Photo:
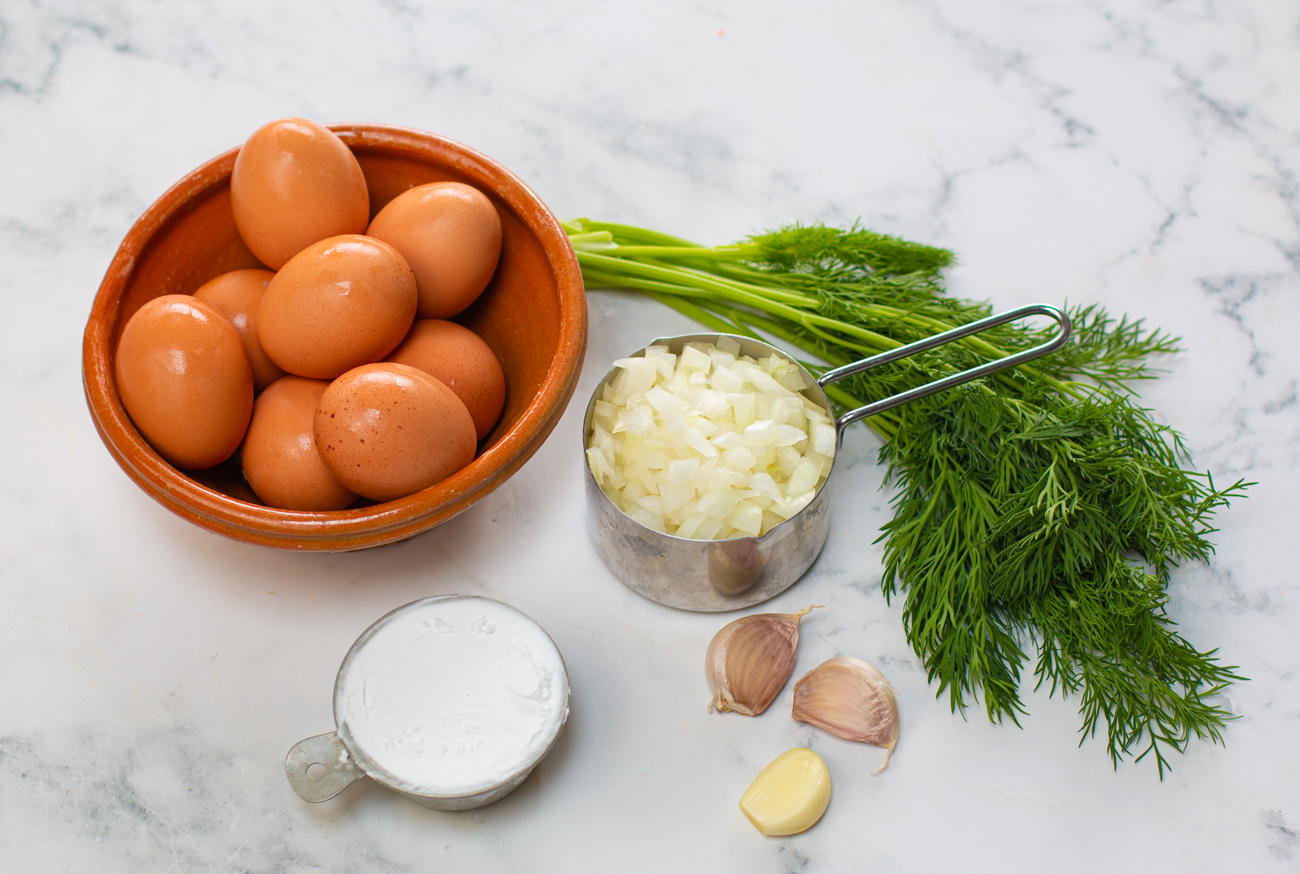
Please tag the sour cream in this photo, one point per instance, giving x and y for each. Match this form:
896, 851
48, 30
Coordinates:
451, 696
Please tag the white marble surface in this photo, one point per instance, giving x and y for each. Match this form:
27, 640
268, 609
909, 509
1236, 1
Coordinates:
1141, 154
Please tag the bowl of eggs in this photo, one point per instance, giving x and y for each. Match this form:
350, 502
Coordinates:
334, 337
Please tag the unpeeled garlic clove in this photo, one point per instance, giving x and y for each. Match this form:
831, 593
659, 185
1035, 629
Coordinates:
851, 699
749, 661
789, 795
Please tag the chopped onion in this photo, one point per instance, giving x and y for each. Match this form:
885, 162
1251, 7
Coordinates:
709, 444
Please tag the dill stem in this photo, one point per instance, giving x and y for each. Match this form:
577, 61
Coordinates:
645, 276
787, 303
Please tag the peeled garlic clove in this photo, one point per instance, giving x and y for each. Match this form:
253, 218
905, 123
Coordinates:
789, 795
749, 661
851, 699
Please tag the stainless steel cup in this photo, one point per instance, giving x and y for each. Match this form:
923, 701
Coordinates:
717, 575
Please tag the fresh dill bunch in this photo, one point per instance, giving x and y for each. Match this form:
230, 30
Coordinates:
1041, 507
1032, 538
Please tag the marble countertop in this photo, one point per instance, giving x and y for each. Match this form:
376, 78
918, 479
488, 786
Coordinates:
1144, 155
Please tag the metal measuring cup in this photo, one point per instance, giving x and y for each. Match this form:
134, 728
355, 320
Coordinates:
716, 575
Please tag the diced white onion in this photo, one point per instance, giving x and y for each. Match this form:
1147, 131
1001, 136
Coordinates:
637, 420
823, 439
664, 402
728, 440
805, 475
680, 470
742, 408
739, 458
674, 496
648, 519
655, 459
691, 525
722, 359
663, 360
718, 503
700, 443
725, 379
765, 486
694, 358
788, 435
709, 444
747, 517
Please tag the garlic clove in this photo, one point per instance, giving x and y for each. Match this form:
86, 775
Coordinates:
749, 661
789, 795
851, 699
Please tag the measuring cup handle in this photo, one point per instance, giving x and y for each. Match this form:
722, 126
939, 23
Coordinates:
1038, 309
320, 767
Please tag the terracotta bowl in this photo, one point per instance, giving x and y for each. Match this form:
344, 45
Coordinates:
533, 315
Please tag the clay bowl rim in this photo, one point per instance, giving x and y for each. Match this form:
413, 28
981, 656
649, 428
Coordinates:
382, 523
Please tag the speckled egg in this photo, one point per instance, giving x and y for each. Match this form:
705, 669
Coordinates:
387, 430
236, 296
279, 453
458, 358
185, 380
337, 304
295, 183
450, 234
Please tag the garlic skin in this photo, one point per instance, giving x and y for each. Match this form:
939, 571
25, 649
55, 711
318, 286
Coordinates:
749, 661
789, 795
851, 699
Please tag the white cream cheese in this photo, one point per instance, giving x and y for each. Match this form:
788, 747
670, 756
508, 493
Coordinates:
452, 695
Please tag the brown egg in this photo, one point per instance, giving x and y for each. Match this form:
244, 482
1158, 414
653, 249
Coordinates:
279, 453
236, 295
450, 234
185, 380
459, 359
337, 304
296, 183
388, 430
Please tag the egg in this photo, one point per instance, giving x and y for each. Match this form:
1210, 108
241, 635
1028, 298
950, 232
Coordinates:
450, 234
236, 296
295, 183
185, 380
458, 358
387, 430
337, 304
279, 453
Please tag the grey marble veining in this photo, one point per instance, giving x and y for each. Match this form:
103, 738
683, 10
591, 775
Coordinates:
1142, 155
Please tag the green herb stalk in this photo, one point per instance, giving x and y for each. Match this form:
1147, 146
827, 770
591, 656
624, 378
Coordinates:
1041, 506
